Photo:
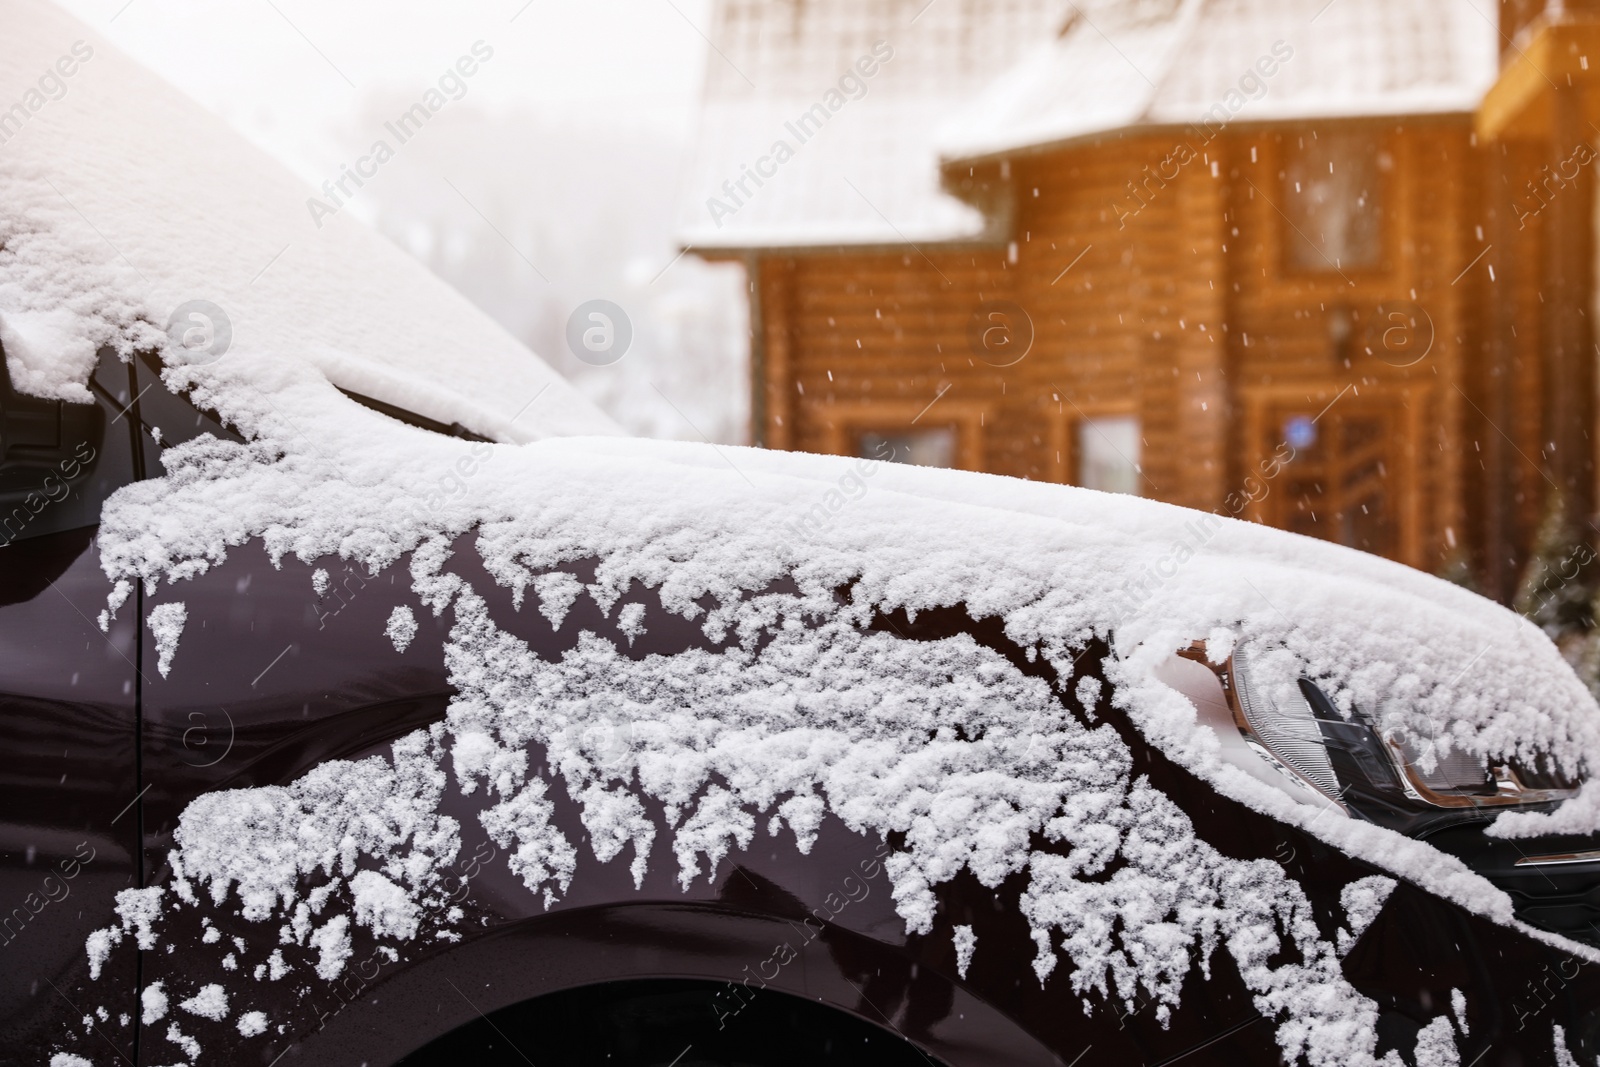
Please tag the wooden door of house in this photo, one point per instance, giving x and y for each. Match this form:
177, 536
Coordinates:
1338, 467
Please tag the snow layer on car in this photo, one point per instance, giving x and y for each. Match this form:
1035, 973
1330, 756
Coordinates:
725, 739
805, 710
824, 715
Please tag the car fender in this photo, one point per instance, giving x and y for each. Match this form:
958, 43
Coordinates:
585, 946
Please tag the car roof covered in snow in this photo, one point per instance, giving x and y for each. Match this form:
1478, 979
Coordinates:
122, 201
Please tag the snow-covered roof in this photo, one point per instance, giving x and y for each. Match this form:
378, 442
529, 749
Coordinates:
971, 80
121, 200
871, 175
1155, 63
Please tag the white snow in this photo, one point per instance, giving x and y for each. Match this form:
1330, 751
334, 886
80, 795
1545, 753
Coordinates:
630, 621
1564, 1057
1580, 815
383, 907
252, 1023
153, 1003
166, 626
211, 1002
332, 942
860, 163
114, 602
1436, 1045
557, 592
67, 1059
99, 948
965, 941
402, 627
1363, 899
191, 1047
139, 909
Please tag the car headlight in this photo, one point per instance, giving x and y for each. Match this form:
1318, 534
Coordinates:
1284, 732
1369, 768
1365, 765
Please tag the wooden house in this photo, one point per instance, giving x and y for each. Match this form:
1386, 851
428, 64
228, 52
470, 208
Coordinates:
1250, 256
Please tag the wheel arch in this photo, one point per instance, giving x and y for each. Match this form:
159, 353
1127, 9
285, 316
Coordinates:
401, 1013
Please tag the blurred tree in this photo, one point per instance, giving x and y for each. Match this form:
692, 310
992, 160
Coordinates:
1457, 569
1559, 584
1584, 655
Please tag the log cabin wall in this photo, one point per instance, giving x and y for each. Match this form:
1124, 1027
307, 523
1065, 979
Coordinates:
1374, 352
866, 341
1180, 301
1507, 482
869, 340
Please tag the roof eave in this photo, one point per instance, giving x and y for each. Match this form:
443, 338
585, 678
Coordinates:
728, 252
1547, 54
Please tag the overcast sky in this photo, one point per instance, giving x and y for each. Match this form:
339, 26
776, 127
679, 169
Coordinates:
291, 74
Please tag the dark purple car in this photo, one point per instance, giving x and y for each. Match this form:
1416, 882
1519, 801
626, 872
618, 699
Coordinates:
782, 955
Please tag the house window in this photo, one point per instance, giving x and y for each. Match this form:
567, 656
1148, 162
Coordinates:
1333, 201
1108, 454
932, 447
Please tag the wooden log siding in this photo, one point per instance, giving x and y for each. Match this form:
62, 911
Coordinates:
1174, 300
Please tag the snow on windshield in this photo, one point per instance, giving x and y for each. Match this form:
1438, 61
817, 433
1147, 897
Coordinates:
170, 211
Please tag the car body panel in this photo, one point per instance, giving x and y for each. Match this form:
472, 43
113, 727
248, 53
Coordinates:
69, 824
820, 925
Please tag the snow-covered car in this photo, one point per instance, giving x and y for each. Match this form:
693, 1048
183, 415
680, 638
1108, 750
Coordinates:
365, 698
